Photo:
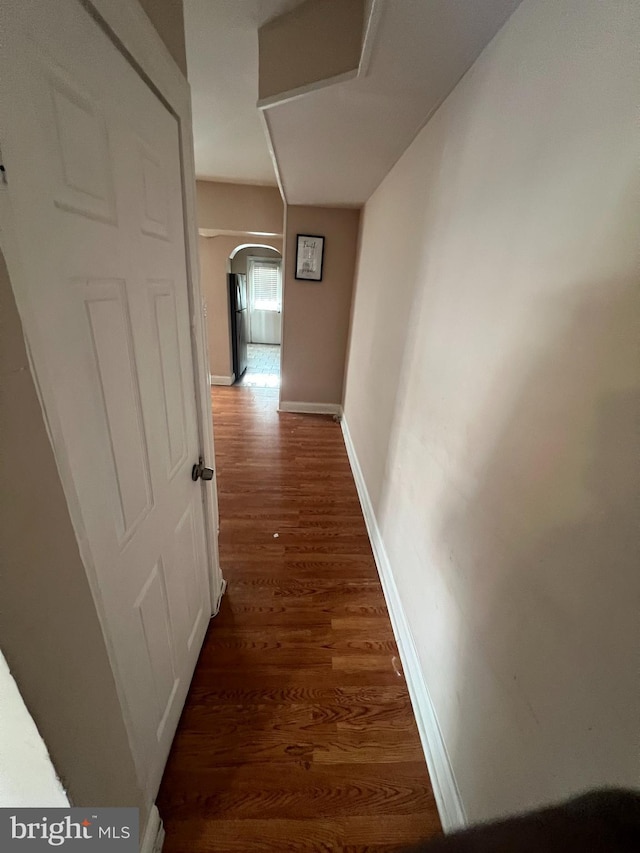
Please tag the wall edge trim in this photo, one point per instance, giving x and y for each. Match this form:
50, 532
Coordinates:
222, 380
310, 408
445, 788
153, 839
306, 89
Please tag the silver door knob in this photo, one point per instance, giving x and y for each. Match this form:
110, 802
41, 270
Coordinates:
201, 471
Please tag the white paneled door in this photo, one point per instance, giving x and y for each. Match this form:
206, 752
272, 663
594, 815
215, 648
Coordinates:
93, 229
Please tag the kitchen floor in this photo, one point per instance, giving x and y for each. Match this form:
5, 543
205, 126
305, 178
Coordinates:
263, 366
298, 732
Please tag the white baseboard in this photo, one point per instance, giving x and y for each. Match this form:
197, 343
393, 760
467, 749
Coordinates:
446, 791
223, 589
222, 380
153, 840
311, 408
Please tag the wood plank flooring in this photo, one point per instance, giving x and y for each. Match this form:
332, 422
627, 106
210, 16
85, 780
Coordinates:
298, 732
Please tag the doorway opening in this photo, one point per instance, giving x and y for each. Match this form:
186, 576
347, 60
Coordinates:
255, 307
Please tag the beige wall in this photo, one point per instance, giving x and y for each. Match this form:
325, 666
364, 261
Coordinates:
316, 314
167, 16
493, 397
239, 207
214, 265
49, 629
320, 39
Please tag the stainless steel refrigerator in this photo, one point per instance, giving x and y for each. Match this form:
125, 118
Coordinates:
239, 321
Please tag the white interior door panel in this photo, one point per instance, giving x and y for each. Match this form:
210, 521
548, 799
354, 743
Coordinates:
97, 257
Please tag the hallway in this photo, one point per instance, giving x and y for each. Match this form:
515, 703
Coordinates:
298, 732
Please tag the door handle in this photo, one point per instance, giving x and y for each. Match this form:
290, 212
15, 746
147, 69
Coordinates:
200, 471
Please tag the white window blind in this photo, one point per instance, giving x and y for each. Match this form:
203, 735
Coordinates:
266, 293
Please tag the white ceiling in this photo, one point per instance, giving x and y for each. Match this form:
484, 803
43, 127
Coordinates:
333, 145
222, 59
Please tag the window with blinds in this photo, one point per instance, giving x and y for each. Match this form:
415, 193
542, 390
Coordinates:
264, 284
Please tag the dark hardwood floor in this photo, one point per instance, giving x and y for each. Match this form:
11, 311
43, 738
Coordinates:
298, 732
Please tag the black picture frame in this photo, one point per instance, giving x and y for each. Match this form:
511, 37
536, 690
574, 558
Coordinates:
309, 256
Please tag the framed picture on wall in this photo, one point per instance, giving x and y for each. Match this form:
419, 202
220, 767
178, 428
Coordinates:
309, 257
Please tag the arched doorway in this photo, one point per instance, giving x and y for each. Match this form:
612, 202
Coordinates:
255, 304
